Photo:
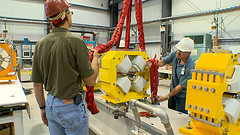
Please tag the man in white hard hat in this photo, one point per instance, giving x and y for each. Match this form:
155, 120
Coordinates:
182, 63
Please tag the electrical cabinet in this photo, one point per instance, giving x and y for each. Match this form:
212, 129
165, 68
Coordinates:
202, 44
27, 53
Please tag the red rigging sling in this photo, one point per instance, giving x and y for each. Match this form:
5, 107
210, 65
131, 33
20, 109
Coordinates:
154, 79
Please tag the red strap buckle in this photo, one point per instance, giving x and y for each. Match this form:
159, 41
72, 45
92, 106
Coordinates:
146, 114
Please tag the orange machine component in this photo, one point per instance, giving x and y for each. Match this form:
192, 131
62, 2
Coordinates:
8, 62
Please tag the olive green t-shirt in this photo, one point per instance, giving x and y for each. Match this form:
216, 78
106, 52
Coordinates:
60, 62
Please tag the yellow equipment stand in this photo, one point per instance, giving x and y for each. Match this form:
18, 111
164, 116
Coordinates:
108, 76
12, 60
205, 92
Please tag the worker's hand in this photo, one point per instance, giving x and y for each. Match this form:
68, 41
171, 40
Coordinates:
149, 63
152, 101
95, 54
44, 117
160, 99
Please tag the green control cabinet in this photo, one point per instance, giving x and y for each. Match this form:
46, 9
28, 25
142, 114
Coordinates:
202, 44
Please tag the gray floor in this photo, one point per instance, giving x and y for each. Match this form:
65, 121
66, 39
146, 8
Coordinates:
34, 126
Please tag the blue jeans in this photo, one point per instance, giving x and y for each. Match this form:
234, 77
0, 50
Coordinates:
177, 104
66, 119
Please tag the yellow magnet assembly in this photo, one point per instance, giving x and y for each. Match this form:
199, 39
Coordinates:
212, 96
124, 75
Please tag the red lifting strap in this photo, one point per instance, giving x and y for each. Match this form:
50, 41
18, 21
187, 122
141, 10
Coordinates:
126, 11
91, 105
138, 9
154, 78
128, 22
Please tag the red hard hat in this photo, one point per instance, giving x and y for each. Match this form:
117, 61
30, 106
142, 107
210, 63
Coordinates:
53, 7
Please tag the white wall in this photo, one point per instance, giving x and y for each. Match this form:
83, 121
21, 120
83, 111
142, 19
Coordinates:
102, 4
196, 25
19, 31
32, 9
181, 7
23, 10
152, 50
88, 16
84, 15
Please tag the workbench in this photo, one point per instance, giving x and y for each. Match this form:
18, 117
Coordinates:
164, 71
12, 101
104, 123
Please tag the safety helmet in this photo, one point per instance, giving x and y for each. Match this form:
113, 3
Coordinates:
53, 7
185, 45
122, 43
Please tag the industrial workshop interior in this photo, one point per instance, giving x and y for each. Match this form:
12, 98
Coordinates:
120, 67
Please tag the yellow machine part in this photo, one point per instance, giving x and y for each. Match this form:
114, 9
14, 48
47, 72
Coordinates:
108, 76
204, 95
96, 86
4, 75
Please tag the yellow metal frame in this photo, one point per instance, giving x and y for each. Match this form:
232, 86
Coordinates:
214, 62
96, 86
108, 76
4, 75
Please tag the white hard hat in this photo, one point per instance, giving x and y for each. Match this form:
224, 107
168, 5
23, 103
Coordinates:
122, 43
185, 45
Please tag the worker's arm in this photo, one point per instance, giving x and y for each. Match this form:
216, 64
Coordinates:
160, 63
175, 91
90, 81
39, 94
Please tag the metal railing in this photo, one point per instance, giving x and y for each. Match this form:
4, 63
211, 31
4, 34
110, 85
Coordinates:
156, 111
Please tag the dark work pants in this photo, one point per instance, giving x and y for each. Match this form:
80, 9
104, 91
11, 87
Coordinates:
177, 104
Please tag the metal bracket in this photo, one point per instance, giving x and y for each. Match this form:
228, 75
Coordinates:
118, 113
136, 115
157, 111
207, 72
207, 122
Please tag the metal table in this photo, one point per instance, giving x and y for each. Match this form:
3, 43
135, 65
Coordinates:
12, 101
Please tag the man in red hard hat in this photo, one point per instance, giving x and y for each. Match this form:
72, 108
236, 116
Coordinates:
60, 63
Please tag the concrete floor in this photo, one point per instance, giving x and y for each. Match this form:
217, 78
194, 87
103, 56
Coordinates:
34, 126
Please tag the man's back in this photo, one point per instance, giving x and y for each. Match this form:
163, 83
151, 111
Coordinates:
62, 60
